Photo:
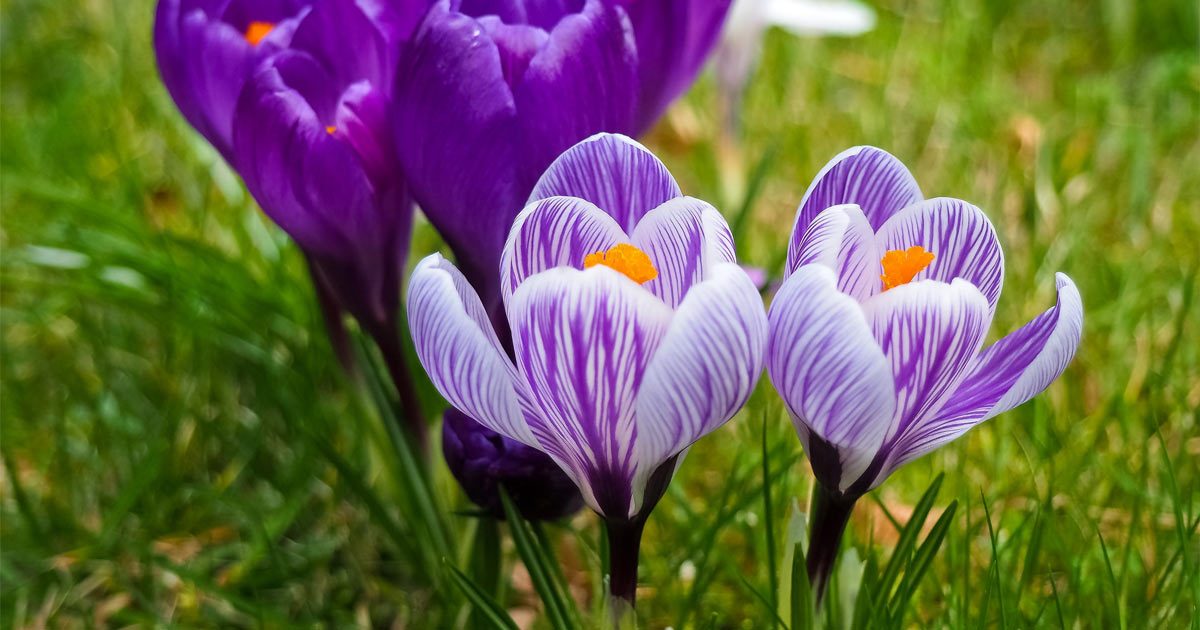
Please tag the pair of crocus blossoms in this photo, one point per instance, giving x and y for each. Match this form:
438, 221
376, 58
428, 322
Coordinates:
635, 332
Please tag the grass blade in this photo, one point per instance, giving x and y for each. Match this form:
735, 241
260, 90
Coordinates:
559, 608
489, 611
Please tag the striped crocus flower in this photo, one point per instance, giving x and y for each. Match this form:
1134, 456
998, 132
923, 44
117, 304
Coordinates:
877, 334
634, 332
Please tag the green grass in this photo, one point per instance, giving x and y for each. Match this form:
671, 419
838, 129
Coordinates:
179, 446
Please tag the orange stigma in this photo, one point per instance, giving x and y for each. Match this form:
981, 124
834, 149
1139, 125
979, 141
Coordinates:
257, 31
900, 265
627, 259
330, 130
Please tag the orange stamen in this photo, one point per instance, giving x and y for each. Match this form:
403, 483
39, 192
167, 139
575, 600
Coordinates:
330, 130
627, 259
901, 265
257, 31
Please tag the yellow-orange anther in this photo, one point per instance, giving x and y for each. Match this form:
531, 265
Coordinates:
627, 259
330, 130
900, 265
257, 31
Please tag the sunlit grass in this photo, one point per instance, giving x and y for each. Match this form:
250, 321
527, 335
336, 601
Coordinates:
179, 445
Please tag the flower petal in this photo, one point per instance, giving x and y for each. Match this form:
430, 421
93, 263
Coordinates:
582, 341
614, 172
959, 235
459, 349
930, 333
1005, 375
685, 238
871, 178
704, 370
554, 232
841, 239
835, 380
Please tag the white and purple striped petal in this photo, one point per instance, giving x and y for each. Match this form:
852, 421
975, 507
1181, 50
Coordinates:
841, 239
930, 333
684, 238
704, 370
959, 235
836, 383
554, 232
583, 340
614, 172
1005, 375
870, 178
459, 349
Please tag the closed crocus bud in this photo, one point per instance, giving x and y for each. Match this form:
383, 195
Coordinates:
482, 461
491, 91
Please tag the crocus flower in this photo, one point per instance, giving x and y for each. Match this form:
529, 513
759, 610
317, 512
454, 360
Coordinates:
313, 142
491, 91
483, 461
877, 334
634, 332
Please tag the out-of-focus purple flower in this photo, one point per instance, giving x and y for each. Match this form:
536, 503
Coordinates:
207, 49
482, 461
635, 331
491, 91
877, 334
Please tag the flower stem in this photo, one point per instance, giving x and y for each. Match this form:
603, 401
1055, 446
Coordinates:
335, 328
829, 514
624, 542
393, 357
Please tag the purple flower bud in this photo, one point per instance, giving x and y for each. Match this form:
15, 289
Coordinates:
483, 460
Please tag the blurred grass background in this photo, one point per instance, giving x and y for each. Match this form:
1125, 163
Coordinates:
179, 447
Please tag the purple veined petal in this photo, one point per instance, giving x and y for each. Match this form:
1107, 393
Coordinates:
582, 81
835, 380
684, 238
613, 171
554, 232
704, 371
959, 235
1005, 375
930, 333
583, 340
458, 347
841, 239
870, 178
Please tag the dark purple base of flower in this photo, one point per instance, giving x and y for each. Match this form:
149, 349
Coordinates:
829, 515
624, 544
482, 461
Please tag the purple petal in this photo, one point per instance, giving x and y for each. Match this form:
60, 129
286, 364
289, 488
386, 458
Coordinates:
959, 235
454, 120
346, 42
841, 239
705, 369
930, 333
674, 38
836, 382
583, 81
684, 238
461, 354
1005, 375
614, 172
583, 340
554, 232
870, 178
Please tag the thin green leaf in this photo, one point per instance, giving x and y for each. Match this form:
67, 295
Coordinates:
489, 611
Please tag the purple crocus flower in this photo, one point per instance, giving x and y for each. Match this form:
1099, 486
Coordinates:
312, 140
634, 332
491, 91
877, 334
482, 461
